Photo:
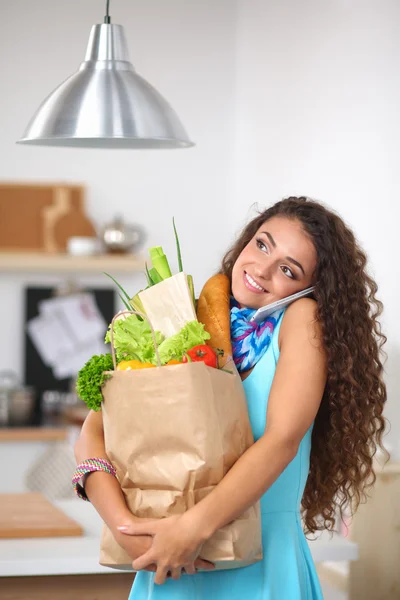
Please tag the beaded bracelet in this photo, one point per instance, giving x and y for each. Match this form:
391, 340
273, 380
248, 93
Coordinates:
89, 466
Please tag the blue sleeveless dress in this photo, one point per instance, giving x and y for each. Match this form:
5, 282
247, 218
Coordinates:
287, 571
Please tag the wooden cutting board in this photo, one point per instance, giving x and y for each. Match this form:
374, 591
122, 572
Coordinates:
41, 217
31, 515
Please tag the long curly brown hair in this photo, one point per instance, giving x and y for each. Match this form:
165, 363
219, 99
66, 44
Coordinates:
349, 425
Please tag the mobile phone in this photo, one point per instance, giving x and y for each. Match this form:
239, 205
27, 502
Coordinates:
267, 310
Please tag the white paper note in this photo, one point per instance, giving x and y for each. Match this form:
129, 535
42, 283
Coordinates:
68, 332
80, 314
50, 338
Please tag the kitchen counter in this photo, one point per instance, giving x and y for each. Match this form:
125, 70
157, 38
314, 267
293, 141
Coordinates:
57, 556
62, 568
79, 555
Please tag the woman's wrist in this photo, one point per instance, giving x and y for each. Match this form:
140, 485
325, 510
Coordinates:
85, 468
122, 517
197, 523
105, 493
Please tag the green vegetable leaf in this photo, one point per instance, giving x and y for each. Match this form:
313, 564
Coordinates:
174, 347
136, 304
124, 302
155, 275
191, 288
148, 276
120, 286
133, 339
90, 379
178, 247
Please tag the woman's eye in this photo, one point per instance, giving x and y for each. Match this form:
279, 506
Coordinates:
261, 245
288, 272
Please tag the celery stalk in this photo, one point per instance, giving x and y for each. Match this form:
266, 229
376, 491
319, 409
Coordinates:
160, 262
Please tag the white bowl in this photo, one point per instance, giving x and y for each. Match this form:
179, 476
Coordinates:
83, 246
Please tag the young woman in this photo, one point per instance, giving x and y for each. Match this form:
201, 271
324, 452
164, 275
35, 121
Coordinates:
315, 397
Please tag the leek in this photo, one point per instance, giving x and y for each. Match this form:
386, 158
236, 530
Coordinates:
160, 262
155, 275
169, 304
148, 277
136, 304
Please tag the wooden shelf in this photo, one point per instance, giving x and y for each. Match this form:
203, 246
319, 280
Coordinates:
54, 263
33, 434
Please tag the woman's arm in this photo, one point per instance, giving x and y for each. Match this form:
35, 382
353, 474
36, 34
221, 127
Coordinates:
293, 403
295, 397
103, 490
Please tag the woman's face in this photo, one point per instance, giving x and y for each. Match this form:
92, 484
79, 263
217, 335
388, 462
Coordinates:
278, 261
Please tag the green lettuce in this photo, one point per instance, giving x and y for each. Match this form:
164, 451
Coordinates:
174, 347
133, 340
90, 379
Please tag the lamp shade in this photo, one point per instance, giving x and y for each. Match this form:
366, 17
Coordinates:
106, 104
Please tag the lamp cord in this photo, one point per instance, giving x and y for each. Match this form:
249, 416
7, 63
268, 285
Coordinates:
107, 18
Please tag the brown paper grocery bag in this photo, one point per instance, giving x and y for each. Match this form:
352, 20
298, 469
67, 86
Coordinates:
172, 433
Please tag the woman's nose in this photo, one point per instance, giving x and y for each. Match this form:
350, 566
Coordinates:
263, 271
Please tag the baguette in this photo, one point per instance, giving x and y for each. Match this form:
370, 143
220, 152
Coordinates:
213, 310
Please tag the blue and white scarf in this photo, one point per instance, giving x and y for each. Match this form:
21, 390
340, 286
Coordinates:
250, 340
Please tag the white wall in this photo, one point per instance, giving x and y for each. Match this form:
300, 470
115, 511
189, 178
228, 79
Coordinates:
281, 98
186, 50
317, 114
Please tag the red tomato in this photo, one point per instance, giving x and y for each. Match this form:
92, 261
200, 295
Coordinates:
201, 353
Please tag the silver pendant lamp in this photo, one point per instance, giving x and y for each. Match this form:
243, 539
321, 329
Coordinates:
106, 104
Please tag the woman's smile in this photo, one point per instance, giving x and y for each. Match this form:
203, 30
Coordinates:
253, 285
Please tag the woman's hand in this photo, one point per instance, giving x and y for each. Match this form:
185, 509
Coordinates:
177, 543
134, 546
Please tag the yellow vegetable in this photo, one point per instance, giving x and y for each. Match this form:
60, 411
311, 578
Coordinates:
129, 365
